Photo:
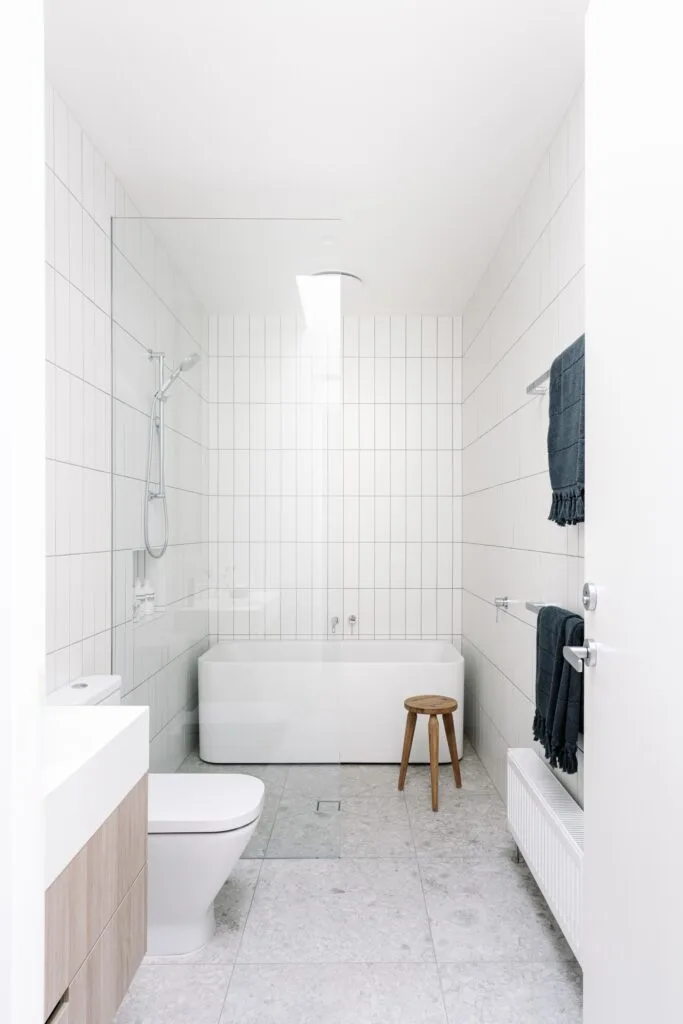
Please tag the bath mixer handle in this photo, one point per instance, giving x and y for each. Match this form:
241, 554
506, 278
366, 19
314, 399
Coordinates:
335, 623
352, 623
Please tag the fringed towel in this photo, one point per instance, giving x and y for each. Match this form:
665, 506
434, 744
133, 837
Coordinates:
568, 719
566, 459
559, 689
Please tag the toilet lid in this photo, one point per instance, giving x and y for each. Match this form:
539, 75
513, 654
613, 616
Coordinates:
203, 802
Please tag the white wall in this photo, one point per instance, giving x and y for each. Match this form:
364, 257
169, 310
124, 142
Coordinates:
337, 498
528, 306
81, 196
151, 309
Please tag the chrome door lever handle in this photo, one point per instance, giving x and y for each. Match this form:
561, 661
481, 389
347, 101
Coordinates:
577, 656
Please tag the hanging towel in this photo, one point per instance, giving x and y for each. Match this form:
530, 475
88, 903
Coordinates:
550, 632
568, 717
566, 435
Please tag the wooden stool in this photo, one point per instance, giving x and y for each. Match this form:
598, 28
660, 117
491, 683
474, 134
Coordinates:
432, 706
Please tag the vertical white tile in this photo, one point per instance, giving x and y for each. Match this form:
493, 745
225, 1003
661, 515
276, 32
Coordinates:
382, 518
382, 379
428, 596
61, 138
414, 336
75, 242
75, 180
88, 176
398, 613
429, 337
444, 336
398, 336
382, 426
50, 313
49, 126
413, 612
382, 612
382, 336
75, 331
61, 236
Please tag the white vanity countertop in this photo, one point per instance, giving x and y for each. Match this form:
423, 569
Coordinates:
92, 758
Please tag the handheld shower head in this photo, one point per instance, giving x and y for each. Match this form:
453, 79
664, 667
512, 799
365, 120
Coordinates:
189, 361
185, 364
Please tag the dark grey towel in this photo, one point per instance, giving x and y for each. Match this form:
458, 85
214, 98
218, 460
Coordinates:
568, 718
557, 720
566, 458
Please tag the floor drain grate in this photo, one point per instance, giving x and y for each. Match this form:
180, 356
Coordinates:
329, 805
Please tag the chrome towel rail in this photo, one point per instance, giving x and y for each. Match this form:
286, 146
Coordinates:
503, 604
539, 386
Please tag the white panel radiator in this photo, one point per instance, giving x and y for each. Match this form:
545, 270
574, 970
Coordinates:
547, 825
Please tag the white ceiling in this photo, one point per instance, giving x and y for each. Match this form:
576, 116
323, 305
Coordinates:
417, 123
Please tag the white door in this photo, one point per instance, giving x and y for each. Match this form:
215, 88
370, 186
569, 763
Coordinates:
22, 512
634, 497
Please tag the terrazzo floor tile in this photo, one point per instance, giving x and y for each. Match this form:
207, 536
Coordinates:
231, 907
300, 830
258, 844
470, 826
361, 827
368, 780
351, 936
175, 994
512, 993
335, 911
319, 781
490, 911
335, 994
473, 776
375, 827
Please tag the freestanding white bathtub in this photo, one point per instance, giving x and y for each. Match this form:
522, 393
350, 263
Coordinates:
308, 701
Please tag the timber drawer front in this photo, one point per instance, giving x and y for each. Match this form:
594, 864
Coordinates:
96, 919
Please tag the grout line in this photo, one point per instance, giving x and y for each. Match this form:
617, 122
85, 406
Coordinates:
521, 338
511, 547
528, 255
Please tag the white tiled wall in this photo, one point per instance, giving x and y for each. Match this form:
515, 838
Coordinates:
81, 196
335, 481
96, 451
152, 309
528, 306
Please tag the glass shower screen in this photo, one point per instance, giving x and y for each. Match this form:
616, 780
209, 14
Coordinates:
227, 486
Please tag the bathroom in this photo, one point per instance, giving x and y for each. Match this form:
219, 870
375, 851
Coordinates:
303, 276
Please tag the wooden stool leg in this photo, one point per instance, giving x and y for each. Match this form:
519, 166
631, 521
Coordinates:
407, 746
434, 759
453, 747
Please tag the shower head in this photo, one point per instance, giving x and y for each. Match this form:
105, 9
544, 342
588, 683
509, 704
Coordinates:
189, 361
185, 364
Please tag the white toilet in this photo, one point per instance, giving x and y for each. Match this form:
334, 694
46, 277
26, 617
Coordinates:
199, 826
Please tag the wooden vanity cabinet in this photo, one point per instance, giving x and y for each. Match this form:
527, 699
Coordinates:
96, 919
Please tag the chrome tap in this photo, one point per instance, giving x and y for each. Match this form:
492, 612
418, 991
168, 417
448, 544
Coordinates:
335, 623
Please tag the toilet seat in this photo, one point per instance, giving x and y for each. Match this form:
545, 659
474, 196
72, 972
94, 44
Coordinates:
203, 802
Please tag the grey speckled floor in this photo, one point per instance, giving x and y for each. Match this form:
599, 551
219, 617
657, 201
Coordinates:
381, 912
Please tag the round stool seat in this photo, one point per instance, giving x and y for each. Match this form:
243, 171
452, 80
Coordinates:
430, 704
